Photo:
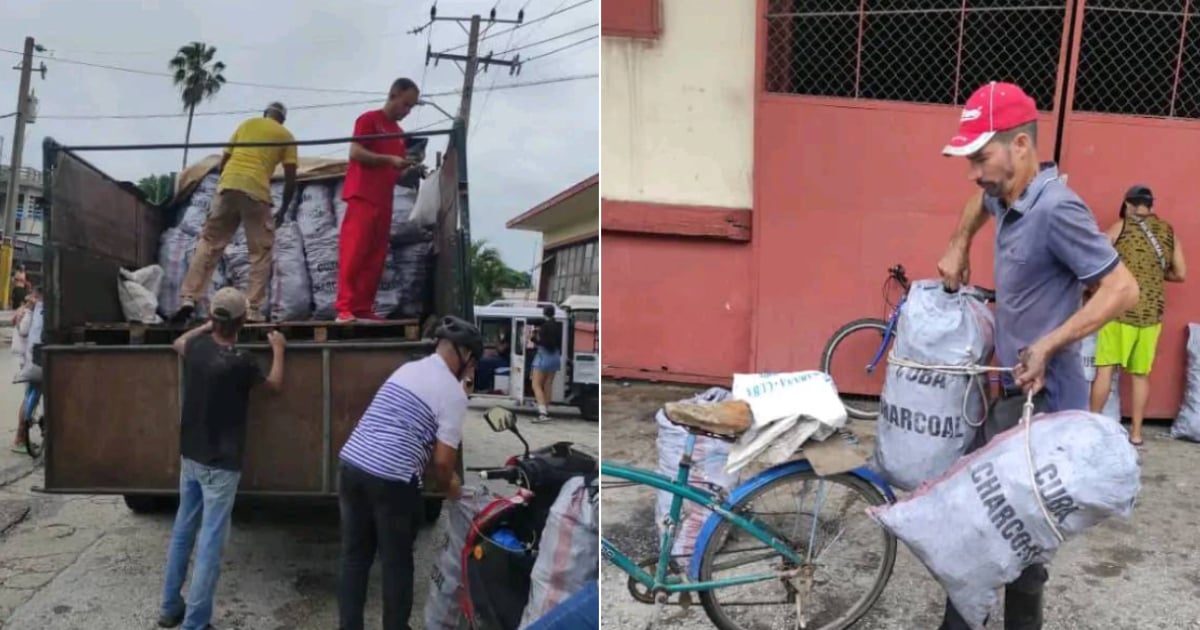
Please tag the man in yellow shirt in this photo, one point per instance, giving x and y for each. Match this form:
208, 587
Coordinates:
244, 195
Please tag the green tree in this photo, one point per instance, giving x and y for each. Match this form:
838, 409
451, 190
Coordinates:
490, 274
198, 77
158, 188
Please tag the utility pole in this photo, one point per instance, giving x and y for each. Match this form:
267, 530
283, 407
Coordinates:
472, 60
14, 174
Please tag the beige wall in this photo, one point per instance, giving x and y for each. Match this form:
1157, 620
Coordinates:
551, 238
678, 111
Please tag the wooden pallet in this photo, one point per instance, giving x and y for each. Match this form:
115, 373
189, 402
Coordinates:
109, 334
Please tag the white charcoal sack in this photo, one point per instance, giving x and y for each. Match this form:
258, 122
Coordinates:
1187, 423
709, 456
1112, 406
173, 257
315, 215
339, 204
413, 268
924, 424
321, 256
291, 291
567, 558
387, 296
138, 293
979, 525
442, 609
319, 233
191, 221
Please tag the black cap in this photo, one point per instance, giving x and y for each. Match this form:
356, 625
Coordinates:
1139, 192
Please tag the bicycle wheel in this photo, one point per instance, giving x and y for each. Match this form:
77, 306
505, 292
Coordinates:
855, 345
849, 572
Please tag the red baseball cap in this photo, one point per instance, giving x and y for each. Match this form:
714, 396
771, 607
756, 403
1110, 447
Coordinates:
992, 108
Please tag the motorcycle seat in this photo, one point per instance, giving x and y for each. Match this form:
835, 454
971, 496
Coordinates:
726, 419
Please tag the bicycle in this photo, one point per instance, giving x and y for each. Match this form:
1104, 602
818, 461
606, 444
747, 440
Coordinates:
793, 565
886, 330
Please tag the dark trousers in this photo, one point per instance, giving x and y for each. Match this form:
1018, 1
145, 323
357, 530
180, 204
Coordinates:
377, 515
1023, 596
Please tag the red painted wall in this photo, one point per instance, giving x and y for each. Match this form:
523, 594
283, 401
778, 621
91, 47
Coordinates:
675, 309
844, 191
1104, 155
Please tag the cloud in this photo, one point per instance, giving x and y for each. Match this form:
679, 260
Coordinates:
525, 146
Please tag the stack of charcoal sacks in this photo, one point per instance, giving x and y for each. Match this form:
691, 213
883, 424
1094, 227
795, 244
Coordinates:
407, 268
177, 246
304, 272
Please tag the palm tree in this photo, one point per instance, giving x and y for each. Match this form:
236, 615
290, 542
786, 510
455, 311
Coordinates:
197, 80
490, 274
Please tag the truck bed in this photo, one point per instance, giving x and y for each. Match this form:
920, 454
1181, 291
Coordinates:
112, 389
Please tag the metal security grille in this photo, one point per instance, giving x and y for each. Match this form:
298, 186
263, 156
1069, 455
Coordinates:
1140, 57
922, 51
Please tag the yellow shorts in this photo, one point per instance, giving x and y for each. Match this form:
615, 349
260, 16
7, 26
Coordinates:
1131, 347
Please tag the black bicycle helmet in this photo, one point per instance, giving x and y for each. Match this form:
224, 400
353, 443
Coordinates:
461, 333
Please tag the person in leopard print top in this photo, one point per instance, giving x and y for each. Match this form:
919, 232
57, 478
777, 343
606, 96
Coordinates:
1150, 249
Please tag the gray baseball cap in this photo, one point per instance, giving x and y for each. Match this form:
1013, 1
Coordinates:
228, 304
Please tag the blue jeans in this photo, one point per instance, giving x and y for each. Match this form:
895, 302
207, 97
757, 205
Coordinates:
579, 611
206, 497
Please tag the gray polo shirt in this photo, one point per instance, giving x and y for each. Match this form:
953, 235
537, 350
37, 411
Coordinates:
1048, 247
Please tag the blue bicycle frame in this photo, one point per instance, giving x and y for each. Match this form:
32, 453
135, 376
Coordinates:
890, 331
721, 510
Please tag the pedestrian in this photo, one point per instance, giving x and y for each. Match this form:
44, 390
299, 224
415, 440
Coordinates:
546, 362
20, 287
28, 322
417, 415
244, 196
1150, 249
376, 165
217, 379
1048, 248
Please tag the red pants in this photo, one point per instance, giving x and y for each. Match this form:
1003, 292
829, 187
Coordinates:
362, 250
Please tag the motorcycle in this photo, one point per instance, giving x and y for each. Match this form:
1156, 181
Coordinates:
503, 541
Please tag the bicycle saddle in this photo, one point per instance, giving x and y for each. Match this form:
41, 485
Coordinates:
730, 418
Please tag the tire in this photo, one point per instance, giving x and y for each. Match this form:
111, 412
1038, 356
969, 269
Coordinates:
867, 491
589, 408
147, 503
854, 407
433, 510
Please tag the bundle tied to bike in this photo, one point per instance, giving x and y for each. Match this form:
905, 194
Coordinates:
935, 393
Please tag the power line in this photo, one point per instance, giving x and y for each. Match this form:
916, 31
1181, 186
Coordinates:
524, 25
550, 39
506, 86
561, 48
153, 73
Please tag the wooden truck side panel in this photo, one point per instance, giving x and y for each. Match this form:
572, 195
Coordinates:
112, 411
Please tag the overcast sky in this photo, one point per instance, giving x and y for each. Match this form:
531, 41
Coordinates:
526, 143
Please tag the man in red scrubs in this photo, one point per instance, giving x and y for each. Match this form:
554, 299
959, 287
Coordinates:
375, 166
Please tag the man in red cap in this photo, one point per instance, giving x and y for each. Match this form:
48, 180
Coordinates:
375, 167
1048, 248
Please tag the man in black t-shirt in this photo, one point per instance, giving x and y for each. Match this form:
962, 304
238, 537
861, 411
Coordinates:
546, 362
217, 379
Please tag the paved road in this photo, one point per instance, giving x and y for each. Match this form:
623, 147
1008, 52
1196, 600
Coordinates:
88, 563
1138, 574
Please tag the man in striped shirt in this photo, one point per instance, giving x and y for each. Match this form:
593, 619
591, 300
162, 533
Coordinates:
416, 416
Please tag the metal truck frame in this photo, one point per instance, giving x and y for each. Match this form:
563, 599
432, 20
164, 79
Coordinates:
112, 411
